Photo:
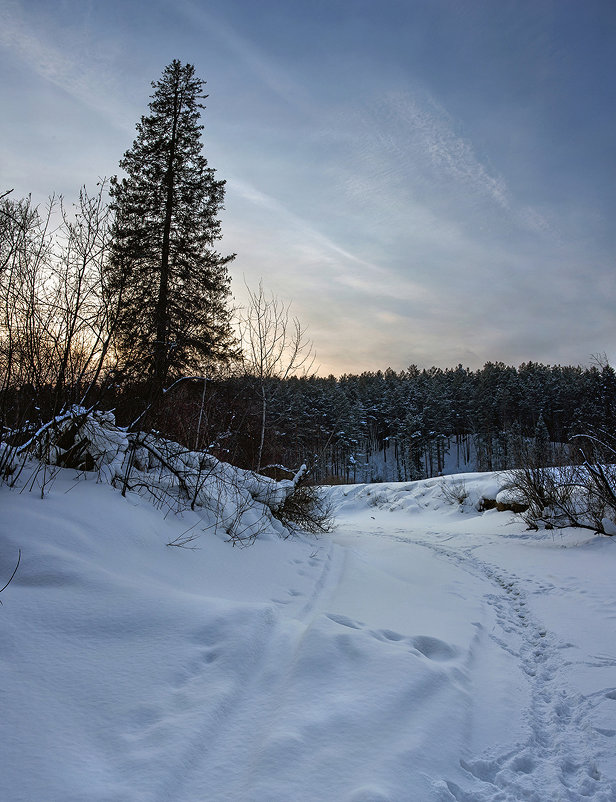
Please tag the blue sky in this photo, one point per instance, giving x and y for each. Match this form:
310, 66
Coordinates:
427, 181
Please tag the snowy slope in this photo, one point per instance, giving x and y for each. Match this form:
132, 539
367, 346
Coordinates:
423, 651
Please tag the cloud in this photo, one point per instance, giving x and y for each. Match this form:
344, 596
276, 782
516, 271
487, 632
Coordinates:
430, 135
69, 57
274, 76
351, 187
305, 232
402, 154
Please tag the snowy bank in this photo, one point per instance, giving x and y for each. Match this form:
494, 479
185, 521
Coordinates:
424, 652
238, 503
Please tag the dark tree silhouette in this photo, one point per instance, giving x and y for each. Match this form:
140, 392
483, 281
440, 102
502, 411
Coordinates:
171, 283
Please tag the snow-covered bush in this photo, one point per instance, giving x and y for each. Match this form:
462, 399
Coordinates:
306, 509
242, 504
574, 495
454, 490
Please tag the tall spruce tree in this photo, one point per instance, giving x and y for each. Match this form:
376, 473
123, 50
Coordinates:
170, 283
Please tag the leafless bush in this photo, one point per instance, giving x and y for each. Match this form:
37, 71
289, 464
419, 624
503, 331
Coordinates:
454, 490
599, 454
56, 323
576, 495
273, 347
306, 509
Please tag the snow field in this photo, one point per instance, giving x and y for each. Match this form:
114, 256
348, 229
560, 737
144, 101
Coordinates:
423, 651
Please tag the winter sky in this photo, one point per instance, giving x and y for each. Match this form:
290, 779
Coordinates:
427, 181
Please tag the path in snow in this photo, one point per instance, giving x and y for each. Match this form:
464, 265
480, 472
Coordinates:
328, 682
556, 754
312, 696
397, 667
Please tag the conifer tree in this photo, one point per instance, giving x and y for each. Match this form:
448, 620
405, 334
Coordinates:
171, 283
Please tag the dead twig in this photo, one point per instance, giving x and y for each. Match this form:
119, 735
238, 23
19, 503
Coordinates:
13, 574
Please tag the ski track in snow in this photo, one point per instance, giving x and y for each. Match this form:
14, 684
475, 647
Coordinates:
236, 725
557, 751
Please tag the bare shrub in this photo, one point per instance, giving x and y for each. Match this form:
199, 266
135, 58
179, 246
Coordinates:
56, 323
306, 509
581, 496
454, 490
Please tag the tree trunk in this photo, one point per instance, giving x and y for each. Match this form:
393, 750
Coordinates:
263, 420
161, 346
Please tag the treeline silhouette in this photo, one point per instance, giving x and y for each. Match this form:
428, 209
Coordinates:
389, 425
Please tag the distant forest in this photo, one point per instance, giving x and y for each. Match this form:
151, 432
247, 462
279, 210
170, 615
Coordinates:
394, 425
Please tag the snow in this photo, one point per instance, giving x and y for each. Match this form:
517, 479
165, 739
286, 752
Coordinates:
422, 651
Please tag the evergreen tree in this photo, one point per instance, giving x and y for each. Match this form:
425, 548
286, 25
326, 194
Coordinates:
541, 451
171, 283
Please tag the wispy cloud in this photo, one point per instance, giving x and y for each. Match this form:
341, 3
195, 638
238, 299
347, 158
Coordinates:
400, 232
430, 134
404, 157
275, 77
289, 220
67, 57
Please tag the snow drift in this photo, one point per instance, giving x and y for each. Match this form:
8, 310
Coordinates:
236, 502
424, 652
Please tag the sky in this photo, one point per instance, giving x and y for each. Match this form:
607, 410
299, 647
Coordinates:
426, 182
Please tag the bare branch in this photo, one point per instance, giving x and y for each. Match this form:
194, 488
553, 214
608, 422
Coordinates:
13, 574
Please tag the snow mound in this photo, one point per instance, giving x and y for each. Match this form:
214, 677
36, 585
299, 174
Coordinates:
467, 492
239, 503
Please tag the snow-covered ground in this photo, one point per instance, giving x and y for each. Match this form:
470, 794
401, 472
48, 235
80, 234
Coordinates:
422, 651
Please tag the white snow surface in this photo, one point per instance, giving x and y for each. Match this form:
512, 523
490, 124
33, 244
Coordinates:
422, 651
